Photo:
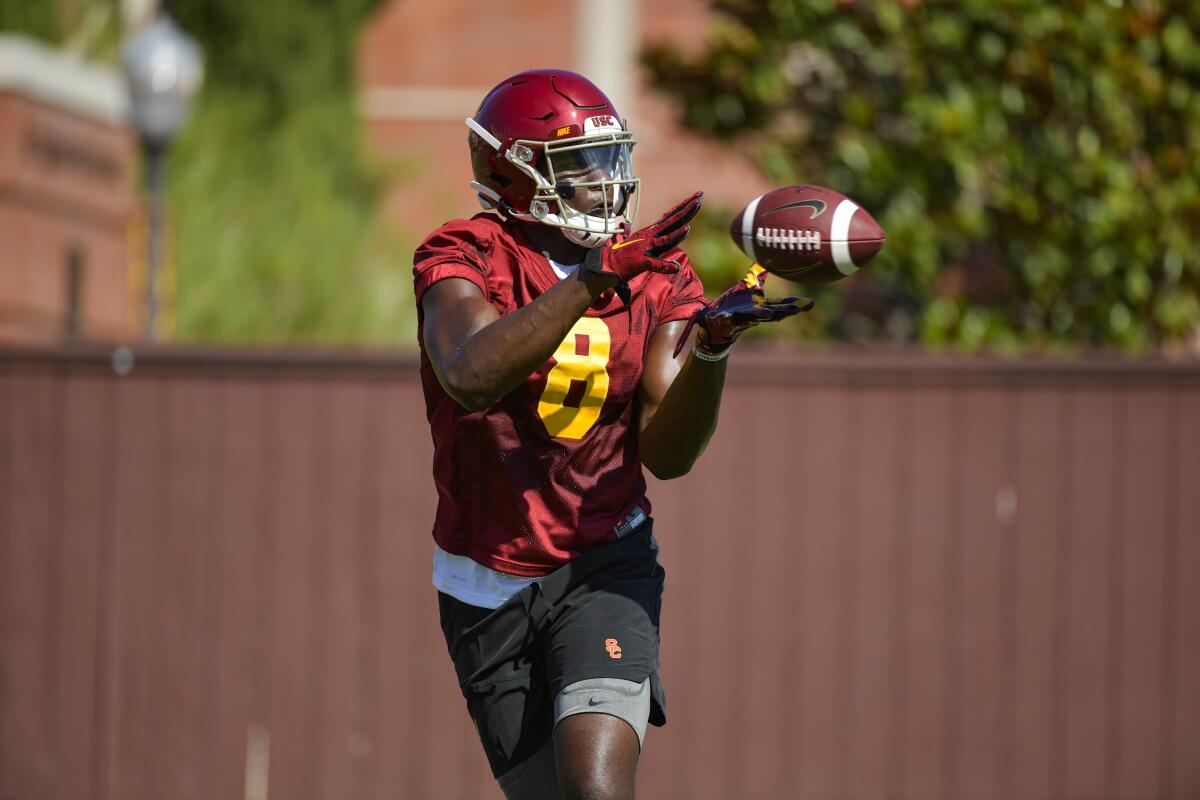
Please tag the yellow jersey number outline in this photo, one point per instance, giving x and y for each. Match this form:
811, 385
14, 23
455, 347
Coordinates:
562, 420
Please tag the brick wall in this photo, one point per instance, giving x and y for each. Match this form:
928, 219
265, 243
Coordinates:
65, 196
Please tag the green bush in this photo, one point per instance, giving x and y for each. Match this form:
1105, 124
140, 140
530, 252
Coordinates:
37, 19
277, 214
278, 238
1034, 164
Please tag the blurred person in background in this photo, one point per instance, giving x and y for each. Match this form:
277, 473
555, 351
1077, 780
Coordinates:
553, 367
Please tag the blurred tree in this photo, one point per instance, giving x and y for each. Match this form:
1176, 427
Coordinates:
1034, 164
38, 19
276, 212
89, 29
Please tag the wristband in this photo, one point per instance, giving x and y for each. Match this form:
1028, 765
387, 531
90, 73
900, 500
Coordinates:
703, 356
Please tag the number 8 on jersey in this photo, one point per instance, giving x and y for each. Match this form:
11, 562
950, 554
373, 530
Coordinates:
578, 384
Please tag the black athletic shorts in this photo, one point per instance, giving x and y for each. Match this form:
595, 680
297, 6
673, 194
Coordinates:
596, 617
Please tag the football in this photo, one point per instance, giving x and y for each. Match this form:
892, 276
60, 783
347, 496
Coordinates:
807, 233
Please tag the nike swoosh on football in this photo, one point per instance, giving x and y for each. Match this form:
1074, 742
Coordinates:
818, 207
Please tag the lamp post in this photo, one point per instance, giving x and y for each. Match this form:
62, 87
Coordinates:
164, 68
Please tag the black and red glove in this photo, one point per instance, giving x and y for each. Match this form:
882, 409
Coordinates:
628, 255
740, 308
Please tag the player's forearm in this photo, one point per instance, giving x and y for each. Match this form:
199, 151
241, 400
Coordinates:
502, 355
677, 434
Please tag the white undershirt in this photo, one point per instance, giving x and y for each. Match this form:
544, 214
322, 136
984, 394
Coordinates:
471, 582
562, 270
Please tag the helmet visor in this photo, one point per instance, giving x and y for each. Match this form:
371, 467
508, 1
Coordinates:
601, 162
590, 176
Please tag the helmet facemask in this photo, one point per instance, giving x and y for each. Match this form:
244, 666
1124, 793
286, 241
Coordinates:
584, 185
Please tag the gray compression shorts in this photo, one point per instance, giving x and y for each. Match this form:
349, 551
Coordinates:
622, 699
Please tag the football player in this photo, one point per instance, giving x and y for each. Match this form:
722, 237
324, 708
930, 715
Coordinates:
548, 330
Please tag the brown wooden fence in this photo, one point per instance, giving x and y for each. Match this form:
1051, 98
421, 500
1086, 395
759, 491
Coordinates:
891, 576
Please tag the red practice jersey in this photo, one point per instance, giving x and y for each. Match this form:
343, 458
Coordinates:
549, 469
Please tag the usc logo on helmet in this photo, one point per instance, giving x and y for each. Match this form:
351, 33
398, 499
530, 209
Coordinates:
600, 121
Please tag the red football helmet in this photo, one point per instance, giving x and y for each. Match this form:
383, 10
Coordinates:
547, 146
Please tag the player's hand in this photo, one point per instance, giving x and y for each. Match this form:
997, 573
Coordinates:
627, 255
740, 308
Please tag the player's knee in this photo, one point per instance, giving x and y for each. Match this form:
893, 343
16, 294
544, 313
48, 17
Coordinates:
594, 784
597, 757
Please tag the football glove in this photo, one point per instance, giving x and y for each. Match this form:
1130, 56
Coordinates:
628, 255
740, 308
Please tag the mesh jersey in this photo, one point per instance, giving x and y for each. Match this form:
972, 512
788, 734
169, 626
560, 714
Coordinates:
548, 470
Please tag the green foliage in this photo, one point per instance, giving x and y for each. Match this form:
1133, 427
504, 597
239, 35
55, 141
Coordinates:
284, 54
279, 239
89, 29
278, 229
1033, 164
35, 18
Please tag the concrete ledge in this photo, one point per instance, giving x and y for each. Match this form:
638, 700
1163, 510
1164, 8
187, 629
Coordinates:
420, 103
35, 70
